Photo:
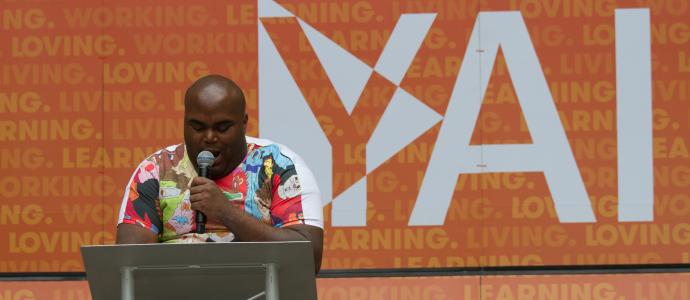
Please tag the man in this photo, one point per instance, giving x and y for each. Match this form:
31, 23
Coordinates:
256, 190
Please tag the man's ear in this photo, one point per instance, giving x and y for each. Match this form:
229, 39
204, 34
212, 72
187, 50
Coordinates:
244, 122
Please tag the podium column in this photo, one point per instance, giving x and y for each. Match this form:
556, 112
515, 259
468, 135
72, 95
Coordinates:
127, 282
271, 282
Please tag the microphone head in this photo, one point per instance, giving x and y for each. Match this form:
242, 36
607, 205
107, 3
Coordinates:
204, 159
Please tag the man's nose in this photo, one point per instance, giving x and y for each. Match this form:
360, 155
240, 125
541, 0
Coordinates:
210, 136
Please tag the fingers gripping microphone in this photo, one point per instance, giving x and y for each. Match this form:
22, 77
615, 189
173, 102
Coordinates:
204, 161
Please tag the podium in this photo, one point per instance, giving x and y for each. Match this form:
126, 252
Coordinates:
238, 270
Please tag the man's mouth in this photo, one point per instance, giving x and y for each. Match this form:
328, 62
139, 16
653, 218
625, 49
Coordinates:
215, 152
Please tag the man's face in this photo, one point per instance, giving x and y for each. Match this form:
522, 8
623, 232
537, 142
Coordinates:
216, 122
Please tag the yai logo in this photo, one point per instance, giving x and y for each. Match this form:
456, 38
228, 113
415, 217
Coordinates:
285, 115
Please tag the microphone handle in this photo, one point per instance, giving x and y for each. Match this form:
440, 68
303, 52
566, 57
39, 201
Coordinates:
200, 217
203, 171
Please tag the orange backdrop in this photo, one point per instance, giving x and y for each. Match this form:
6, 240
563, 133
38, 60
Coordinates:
88, 89
584, 287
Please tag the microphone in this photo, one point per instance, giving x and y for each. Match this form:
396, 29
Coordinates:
203, 161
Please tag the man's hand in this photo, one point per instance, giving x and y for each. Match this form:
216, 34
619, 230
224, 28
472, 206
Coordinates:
206, 197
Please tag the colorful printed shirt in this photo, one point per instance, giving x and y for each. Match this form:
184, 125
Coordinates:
272, 184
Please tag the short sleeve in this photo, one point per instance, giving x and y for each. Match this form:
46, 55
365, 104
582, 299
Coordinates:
297, 199
140, 200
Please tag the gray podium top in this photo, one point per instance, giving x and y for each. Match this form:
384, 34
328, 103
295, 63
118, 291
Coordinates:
201, 271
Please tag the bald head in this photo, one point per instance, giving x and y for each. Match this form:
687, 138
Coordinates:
214, 87
215, 120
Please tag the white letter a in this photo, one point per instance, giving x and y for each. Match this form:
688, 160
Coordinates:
550, 152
